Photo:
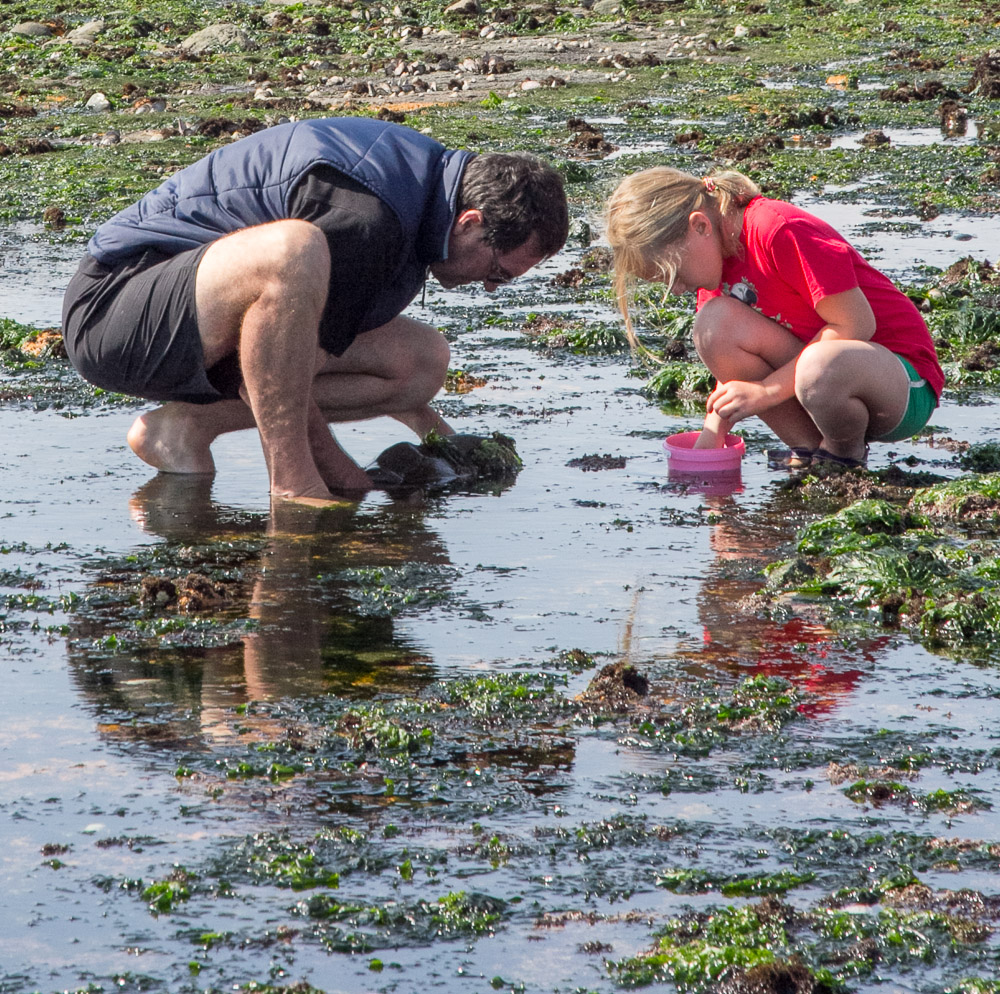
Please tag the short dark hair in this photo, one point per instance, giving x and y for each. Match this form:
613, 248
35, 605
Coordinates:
519, 196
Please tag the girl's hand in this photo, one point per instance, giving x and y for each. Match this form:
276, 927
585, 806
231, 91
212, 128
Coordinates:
738, 399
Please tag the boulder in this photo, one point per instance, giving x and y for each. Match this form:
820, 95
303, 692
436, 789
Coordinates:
446, 460
98, 103
86, 34
32, 29
214, 37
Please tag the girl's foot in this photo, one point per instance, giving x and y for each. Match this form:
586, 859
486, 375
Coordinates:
797, 457
821, 457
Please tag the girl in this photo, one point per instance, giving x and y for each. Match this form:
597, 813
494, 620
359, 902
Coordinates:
793, 323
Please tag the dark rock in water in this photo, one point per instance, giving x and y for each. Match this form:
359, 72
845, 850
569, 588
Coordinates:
617, 686
779, 977
446, 460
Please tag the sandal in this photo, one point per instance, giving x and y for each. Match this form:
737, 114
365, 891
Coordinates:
823, 457
797, 457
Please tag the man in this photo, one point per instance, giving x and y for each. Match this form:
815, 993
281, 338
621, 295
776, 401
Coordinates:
263, 287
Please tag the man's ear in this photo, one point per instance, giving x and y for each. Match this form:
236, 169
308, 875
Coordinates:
470, 216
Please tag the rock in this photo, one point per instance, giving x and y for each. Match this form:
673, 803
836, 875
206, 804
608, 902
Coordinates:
31, 29
48, 341
617, 686
197, 592
86, 34
54, 217
607, 8
466, 7
148, 135
214, 37
405, 465
157, 591
792, 573
443, 460
149, 105
98, 103
872, 139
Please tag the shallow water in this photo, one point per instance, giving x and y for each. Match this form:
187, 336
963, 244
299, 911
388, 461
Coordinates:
623, 564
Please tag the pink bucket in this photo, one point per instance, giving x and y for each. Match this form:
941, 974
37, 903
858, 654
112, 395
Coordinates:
683, 457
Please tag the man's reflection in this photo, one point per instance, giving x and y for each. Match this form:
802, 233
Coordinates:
294, 633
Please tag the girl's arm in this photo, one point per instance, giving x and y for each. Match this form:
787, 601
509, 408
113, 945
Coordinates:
848, 317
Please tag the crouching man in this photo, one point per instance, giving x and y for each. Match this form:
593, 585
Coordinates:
263, 286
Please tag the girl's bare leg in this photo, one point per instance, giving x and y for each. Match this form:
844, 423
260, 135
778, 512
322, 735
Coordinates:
853, 391
738, 343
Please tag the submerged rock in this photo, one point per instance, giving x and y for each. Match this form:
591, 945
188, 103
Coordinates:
444, 460
192, 593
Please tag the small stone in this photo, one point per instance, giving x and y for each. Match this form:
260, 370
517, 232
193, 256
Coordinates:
54, 217
31, 29
531, 84
149, 105
98, 103
872, 139
463, 7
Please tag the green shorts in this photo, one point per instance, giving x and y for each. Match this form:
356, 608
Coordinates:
918, 410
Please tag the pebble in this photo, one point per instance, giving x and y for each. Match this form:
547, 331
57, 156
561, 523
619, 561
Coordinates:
98, 103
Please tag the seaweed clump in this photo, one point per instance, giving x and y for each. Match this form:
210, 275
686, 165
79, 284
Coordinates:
447, 460
931, 565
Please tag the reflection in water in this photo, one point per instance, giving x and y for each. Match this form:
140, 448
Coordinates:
285, 627
710, 484
802, 650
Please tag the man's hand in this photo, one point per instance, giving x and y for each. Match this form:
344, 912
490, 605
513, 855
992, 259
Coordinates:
738, 399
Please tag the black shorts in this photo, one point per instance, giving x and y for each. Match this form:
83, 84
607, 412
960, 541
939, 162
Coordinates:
133, 328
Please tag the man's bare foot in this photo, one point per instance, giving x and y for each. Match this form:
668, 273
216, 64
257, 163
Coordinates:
330, 501
171, 440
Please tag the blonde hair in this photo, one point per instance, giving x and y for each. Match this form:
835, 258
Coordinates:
649, 211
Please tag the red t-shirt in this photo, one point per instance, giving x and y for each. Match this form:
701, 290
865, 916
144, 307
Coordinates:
791, 260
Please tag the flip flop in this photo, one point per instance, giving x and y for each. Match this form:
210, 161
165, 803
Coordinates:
797, 457
822, 457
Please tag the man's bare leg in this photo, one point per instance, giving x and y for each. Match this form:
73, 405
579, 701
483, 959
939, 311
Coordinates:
390, 371
177, 437
739, 343
260, 293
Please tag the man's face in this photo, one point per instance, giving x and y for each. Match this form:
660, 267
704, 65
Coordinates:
472, 260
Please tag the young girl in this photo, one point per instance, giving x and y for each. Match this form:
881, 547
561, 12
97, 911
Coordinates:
793, 323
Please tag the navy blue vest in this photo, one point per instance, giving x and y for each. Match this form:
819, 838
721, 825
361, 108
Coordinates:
251, 182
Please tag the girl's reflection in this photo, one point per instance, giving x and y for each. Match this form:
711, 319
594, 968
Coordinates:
799, 647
